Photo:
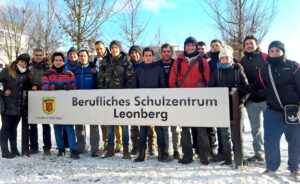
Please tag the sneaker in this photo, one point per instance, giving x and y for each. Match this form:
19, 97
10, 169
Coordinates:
269, 172
47, 152
33, 151
186, 160
118, 148
256, 159
296, 175
95, 154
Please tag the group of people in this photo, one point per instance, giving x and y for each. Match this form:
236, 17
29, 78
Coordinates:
194, 68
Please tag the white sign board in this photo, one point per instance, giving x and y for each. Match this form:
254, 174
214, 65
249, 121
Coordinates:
198, 107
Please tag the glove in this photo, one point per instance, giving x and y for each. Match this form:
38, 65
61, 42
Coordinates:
68, 86
59, 86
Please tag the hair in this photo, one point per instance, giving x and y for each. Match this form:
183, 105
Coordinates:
57, 54
216, 41
38, 50
250, 37
12, 69
83, 50
166, 45
99, 42
201, 43
146, 49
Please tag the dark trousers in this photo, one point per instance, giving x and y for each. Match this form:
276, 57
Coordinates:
33, 136
211, 132
8, 132
202, 142
143, 136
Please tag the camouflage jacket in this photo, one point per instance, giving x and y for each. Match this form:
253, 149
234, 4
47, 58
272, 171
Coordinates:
115, 73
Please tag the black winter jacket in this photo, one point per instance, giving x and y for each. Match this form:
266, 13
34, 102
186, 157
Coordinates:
16, 103
166, 67
287, 80
149, 76
251, 63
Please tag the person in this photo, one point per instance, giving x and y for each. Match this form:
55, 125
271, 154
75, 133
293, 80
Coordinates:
231, 75
201, 48
198, 76
166, 63
136, 61
58, 77
86, 78
150, 75
286, 77
252, 61
16, 81
116, 73
38, 66
102, 52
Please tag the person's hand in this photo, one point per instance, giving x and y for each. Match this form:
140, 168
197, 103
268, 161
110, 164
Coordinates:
7, 92
34, 88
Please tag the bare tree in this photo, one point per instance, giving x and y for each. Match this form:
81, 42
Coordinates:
82, 19
14, 20
44, 31
132, 24
235, 19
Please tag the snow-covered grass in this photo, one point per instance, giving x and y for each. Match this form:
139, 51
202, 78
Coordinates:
53, 169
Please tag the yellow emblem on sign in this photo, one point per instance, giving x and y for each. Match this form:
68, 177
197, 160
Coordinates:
49, 104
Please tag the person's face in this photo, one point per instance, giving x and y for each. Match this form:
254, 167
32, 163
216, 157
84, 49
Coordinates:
225, 60
190, 48
38, 57
201, 50
135, 56
215, 47
22, 64
100, 49
250, 45
166, 53
148, 57
115, 51
83, 58
275, 52
58, 61
73, 56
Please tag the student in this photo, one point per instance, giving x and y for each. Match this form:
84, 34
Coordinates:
198, 76
58, 77
231, 75
116, 73
150, 75
16, 81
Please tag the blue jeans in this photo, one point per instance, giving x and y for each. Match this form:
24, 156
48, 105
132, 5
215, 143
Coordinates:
143, 136
111, 135
58, 130
225, 139
274, 127
255, 112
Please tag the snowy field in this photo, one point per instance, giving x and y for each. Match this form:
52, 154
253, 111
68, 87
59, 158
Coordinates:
39, 169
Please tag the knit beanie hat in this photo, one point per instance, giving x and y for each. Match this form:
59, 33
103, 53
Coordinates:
278, 44
225, 52
190, 40
23, 57
72, 49
117, 43
135, 48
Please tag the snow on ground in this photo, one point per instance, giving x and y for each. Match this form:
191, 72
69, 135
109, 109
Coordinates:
53, 169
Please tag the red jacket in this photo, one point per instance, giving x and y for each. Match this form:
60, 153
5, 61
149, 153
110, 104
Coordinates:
195, 78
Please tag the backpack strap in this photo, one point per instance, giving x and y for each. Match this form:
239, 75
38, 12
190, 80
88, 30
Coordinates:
298, 67
264, 55
260, 78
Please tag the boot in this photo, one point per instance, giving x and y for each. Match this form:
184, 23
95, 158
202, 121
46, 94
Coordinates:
61, 152
110, 152
160, 154
204, 161
227, 158
47, 152
186, 160
218, 158
142, 156
126, 154
164, 155
176, 155
74, 154
5, 152
13, 148
134, 150
33, 151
